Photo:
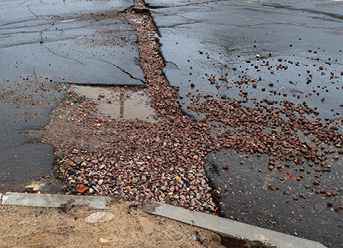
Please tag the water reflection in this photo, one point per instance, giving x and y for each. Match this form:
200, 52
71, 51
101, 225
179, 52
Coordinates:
119, 102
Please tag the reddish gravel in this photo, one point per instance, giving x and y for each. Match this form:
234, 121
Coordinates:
134, 159
143, 161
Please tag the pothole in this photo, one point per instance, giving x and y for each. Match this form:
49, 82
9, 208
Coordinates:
119, 102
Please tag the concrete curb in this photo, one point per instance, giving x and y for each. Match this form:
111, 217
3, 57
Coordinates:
53, 200
252, 235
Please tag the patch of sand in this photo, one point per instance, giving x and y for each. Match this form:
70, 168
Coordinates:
130, 227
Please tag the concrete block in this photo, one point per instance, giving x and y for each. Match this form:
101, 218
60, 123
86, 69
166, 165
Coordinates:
51, 200
230, 228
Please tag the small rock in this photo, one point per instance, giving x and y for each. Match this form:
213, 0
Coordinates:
69, 163
172, 189
261, 237
75, 151
194, 238
148, 227
100, 182
119, 182
99, 217
103, 240
65, 207
80, 188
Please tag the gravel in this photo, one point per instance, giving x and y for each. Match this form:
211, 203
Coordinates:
162, 161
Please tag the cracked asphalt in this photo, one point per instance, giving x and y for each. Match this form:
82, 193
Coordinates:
251, 52
44, 44
254, 52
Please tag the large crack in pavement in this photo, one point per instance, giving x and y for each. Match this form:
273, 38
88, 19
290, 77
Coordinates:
134, 159
164, 161
279, 166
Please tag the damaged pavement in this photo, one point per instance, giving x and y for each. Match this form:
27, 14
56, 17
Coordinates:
46, 44
193, 61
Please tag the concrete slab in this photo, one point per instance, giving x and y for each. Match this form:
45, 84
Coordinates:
53, 201
226, 227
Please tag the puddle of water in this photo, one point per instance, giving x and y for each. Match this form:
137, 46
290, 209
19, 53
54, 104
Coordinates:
119, 102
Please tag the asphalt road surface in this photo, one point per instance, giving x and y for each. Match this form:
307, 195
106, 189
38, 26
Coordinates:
292, 49
43, 45
260, 53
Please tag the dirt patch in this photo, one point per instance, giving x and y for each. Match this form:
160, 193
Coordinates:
130, 227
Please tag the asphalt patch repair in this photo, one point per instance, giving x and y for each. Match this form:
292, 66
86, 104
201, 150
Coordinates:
136, 160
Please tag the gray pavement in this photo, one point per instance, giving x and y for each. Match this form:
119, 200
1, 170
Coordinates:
47, 42
233, 32
202, 39
73, 41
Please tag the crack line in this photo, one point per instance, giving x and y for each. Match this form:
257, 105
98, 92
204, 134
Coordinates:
122, 70
280, 6
63, 56
28, 7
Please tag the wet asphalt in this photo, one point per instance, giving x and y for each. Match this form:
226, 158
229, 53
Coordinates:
47, 42
43, 45
202, 39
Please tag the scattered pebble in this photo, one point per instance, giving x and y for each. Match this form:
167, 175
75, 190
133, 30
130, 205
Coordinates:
99, 217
